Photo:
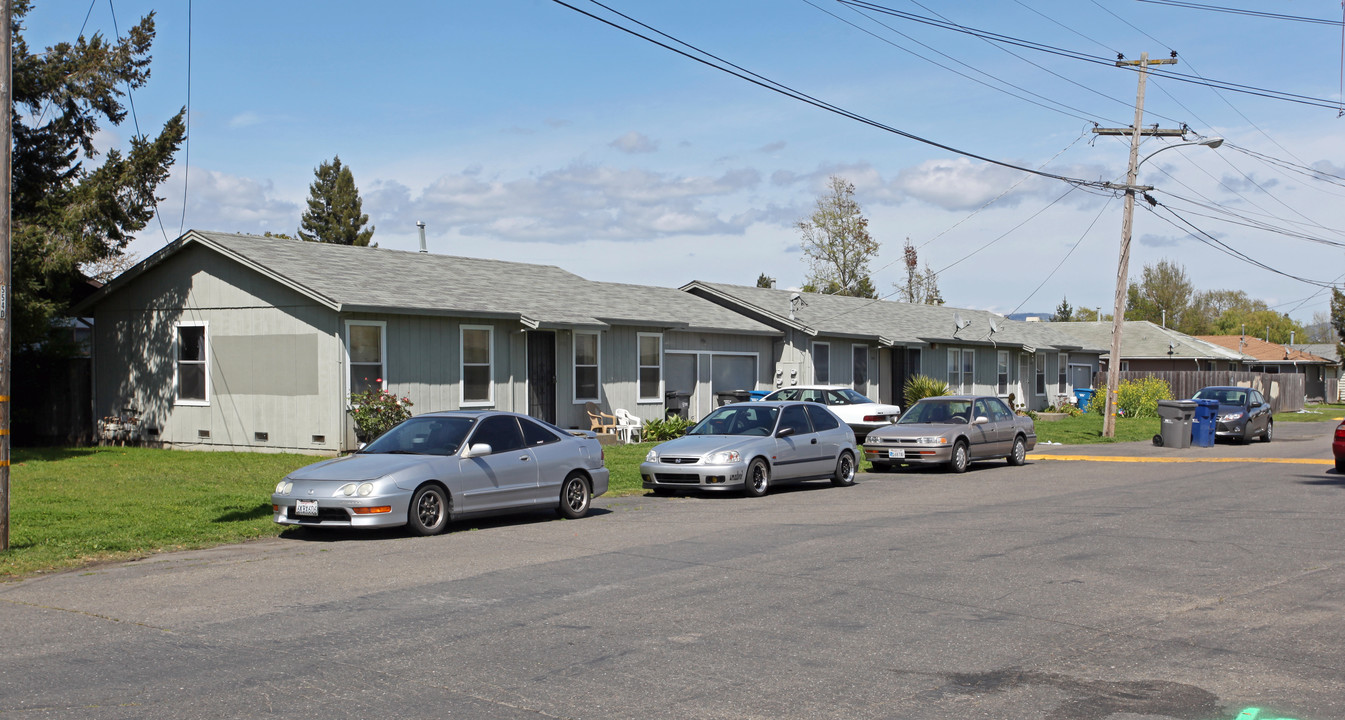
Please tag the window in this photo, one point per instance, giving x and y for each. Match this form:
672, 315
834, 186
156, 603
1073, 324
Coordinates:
586, 364
961, 370
365, 350
822, 419
500, 432
1002, 373
192, 366
1062, 359
651, 367
478, 356
535, 434
821, 363
1041, 373
794, 416
860, 359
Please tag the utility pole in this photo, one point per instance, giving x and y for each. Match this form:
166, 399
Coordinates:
6, 142
1135, 132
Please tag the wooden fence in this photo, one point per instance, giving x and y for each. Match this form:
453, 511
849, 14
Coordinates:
1286, 391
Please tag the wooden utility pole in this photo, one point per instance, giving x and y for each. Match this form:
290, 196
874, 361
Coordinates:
1135, 132
6, 176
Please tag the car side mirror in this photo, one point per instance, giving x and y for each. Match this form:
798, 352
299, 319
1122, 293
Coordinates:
784, 432
980, 420
478, 450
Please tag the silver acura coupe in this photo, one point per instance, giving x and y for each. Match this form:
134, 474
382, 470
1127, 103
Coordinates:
753, 446
444, 466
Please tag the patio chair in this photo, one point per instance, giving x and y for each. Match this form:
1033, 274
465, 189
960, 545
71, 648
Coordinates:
628, 427
599, 420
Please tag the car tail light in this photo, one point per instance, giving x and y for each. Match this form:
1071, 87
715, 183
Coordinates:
1340, 431
875, 418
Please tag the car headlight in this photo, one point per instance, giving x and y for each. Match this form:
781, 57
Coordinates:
284, 487
651, 457
1230, 417
724, 457
362, 489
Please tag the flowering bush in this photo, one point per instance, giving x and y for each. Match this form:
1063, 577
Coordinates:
1135, 398
376, 411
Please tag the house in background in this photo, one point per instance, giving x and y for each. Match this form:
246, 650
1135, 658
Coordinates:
874, 346
1147, 347
1268, 357
224, 341
1332, 373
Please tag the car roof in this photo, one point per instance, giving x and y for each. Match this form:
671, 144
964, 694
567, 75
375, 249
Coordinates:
813, 387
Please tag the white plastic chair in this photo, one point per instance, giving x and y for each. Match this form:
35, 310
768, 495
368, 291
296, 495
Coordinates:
629, 428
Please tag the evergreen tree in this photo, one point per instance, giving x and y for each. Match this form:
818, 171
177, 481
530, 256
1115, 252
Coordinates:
334, 212
1063, 311
765, 281
67, 212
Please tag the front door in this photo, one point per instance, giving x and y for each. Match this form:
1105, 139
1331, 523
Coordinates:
542, 375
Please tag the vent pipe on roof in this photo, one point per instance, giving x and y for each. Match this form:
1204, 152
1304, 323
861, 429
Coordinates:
421, 224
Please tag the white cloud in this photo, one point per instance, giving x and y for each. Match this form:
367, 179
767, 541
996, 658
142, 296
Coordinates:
219, 201
633, 142
245, 119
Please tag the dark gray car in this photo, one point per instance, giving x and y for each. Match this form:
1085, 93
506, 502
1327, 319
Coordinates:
952, 430
443, 466
753, 446
1243, 413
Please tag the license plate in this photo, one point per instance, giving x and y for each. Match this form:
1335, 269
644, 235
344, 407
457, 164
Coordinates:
306, 507
896, 454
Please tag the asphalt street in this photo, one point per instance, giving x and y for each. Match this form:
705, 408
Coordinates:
1096, 583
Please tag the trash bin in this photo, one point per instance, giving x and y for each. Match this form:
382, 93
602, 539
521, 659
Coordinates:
675, 403
732, 396
1175, 416
1204, 423
1084, 396
758, 394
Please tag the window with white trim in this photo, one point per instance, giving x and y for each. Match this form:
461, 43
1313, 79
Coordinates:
192, 366
821, 363
1002, 373
961, 370
1041, 373
365, 350
587, 362
651, 367
1063, 360
859, 356
478, 364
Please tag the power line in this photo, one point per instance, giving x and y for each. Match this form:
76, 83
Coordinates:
1239, 11
136, 121
1063, 259
186, 139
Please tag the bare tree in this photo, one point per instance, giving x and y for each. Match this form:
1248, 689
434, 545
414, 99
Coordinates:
837, 243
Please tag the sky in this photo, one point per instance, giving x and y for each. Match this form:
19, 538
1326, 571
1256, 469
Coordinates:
523, 130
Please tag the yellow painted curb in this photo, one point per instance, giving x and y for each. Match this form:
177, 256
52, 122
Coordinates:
1107, 458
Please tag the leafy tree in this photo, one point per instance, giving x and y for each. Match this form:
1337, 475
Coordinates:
67, 212
837, 243
1338, 316
335, 212
1161, 296
919, 287
1202, 316
1063, 311
1083, 314
1265, 324
765, 281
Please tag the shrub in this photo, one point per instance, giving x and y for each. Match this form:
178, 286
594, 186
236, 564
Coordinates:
1135, 398
669, 428
376, 412
922, 386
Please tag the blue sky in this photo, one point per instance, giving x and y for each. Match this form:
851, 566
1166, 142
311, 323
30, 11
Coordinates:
522, 130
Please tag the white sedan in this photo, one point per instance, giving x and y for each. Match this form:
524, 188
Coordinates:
857, 411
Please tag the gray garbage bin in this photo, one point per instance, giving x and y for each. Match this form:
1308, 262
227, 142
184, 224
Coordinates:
1176, 417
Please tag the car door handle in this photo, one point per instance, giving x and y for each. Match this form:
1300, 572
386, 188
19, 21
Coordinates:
813, 441
524, 458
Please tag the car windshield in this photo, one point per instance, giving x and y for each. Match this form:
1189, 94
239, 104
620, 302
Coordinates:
753, 419
846, 396
1225, 396
423, 436
937, 412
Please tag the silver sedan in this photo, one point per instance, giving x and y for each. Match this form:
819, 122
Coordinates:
952, 430
752, 447
444, 466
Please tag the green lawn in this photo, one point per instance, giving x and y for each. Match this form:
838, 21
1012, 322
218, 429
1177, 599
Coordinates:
1087, 429
1313, 413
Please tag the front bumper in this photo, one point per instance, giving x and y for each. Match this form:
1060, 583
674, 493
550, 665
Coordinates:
1235, 429
671, 476
379, 511
908, 454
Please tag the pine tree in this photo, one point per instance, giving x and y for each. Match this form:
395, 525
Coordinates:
67, 212
334, 212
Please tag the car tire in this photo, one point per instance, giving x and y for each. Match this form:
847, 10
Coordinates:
960, 459
1340, 465
845, 470
428, 512
1269, 432
575, 497
758, 480
1018, 455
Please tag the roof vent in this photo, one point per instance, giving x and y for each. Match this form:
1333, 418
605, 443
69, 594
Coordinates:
421, 224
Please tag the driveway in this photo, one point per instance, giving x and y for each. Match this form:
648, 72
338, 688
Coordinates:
1066, 590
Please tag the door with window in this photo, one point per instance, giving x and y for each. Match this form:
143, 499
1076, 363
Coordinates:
507, 476
798, 454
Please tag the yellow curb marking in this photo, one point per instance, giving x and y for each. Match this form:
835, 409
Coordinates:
1106, 458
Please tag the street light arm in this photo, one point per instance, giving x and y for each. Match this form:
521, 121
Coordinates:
1211, 143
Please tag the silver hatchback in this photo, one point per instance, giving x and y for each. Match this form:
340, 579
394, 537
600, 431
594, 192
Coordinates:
753, 446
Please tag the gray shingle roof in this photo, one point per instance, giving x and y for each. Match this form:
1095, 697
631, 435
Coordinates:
886, 321
1143, 339
379, 280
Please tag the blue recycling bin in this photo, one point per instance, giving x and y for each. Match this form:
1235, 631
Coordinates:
1084, 396
758, 394
1203, 424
